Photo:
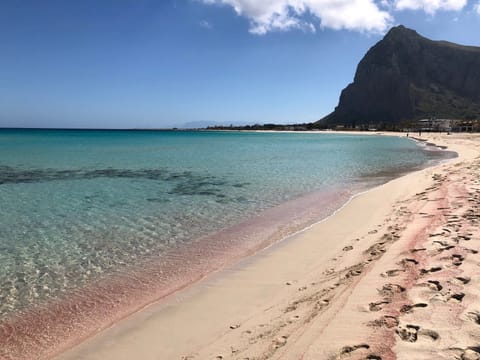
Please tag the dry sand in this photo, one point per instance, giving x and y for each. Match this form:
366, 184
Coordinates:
392, 275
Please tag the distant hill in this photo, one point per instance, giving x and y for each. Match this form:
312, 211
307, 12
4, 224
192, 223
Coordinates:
206, 124
407, 77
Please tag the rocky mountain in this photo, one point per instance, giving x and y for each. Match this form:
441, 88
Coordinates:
407, 77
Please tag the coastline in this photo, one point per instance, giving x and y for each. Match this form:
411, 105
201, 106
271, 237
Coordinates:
46, 330
247, 304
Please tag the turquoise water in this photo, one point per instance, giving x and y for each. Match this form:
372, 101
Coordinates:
81, 205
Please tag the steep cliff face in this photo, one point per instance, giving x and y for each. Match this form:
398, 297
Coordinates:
406, 77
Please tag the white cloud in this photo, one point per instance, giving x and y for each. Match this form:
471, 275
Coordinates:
477, 8
430, 6
205, 24
282, 15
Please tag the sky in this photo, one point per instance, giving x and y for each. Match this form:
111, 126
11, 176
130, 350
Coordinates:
166, 63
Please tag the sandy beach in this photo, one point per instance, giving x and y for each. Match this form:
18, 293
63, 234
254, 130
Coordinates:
392, 275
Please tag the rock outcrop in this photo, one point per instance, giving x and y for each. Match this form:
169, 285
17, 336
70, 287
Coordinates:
406, 77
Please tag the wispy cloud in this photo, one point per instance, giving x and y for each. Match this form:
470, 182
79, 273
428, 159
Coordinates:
430, 6
282, 15
476, 7
205, 24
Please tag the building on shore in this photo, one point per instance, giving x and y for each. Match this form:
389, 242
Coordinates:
447, 125
433, 124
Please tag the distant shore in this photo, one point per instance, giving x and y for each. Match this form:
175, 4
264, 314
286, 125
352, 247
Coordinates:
364, 282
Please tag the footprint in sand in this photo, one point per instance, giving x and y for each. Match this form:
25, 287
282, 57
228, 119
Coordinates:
376, 249
408, 262
436, 234
471, 251
391, 289
388, 321
445, 248
434, 285
474, 316
430, 270
377, 306
290, 308
409, 308
391, 273
321, 304
348, 350
471, 353
463, 238
417, 250
458, 297
329, 271
411, 333
280, 341
352, 273
457, 259
294, 318
460, 279
450, 297
441, 242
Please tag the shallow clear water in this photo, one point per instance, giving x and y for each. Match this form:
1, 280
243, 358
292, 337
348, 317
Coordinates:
79, 205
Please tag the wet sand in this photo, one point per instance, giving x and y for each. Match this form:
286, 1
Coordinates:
392, 275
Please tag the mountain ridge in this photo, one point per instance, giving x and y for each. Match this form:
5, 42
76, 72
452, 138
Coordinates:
405, 77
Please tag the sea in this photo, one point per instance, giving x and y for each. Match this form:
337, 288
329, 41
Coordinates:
128, 217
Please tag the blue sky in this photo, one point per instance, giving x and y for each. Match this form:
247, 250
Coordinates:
162, 63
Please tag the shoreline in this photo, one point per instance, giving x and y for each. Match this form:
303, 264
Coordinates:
57, 314
283, 221
132, 326
162, 299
